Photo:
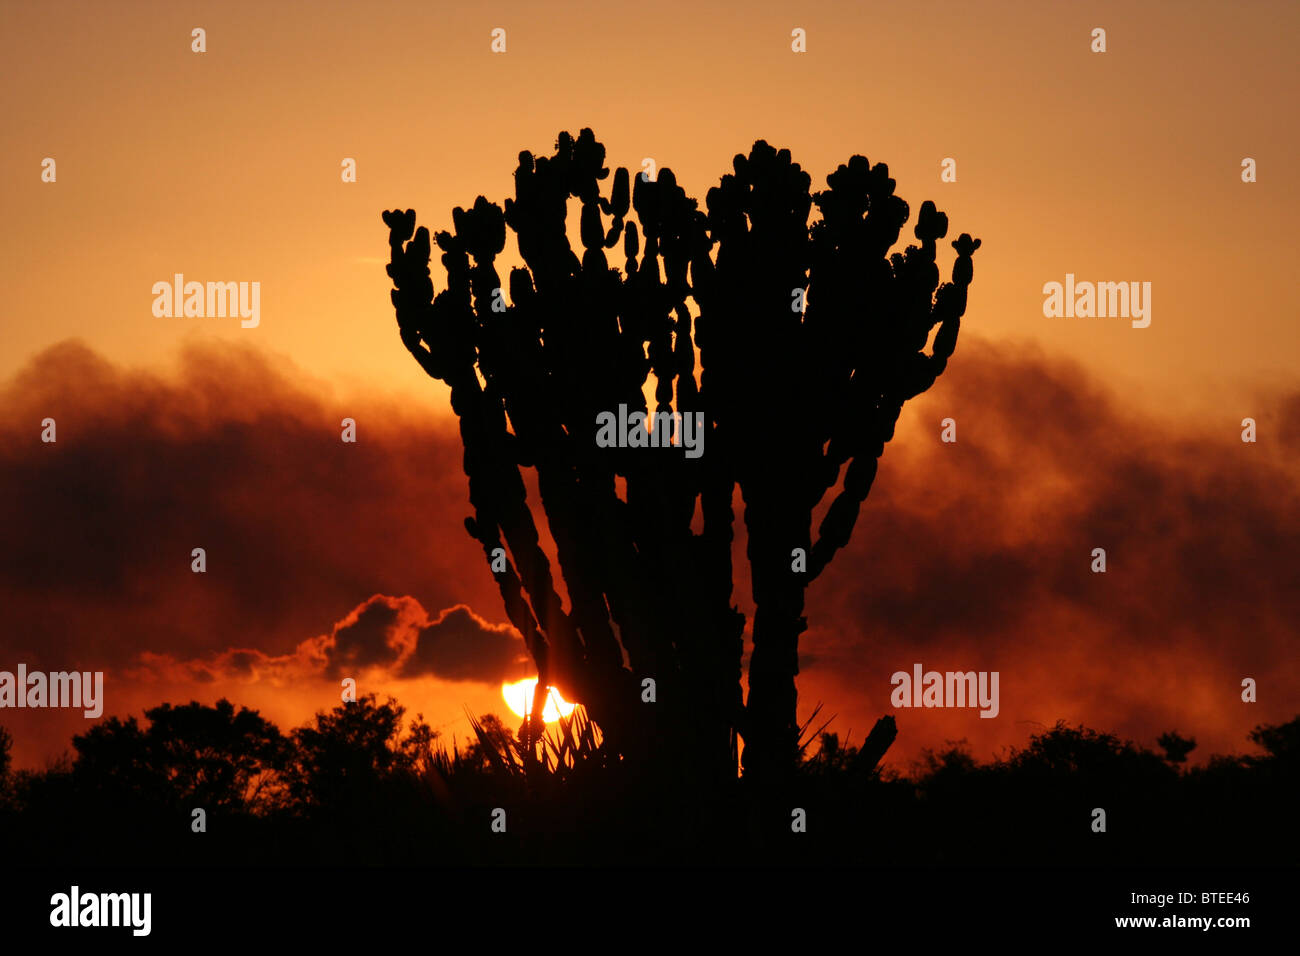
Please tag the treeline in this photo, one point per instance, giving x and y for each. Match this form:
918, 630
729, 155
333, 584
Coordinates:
203, 785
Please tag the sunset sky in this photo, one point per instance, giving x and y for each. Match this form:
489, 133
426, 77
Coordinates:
328, 559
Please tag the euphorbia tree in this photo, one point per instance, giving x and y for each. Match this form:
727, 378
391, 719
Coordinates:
809, 340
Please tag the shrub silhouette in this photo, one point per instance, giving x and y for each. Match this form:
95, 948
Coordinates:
795, 403
375, 794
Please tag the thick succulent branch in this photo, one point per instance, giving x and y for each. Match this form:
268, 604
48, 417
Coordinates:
810, 340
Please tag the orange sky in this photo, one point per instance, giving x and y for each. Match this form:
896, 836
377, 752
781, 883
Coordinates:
1122, 165
225, 166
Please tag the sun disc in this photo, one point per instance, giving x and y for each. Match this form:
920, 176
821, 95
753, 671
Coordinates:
519, 698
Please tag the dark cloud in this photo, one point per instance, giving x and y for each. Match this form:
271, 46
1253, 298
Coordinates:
238, 455
978, 555
370, 637
393, 636
240, 663
968, 555
462, 646
396, 634
974, 539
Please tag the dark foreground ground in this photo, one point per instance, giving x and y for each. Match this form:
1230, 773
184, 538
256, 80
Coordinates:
357, 787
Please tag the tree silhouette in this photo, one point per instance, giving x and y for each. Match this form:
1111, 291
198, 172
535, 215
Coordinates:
6, 745
1281, 741
809, 339
1176, 747
342, 758
190, 755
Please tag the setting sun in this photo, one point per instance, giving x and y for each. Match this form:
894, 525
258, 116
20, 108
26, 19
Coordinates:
519, 698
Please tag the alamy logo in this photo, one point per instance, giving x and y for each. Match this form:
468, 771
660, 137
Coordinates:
58, 689
103, 909
1102, 300
671, 430
195, 300
953, 689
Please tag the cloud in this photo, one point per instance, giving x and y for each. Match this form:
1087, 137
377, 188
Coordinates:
379, 633
973, 555
978, 555
398, 635
235, 453
461, 646
385, 638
